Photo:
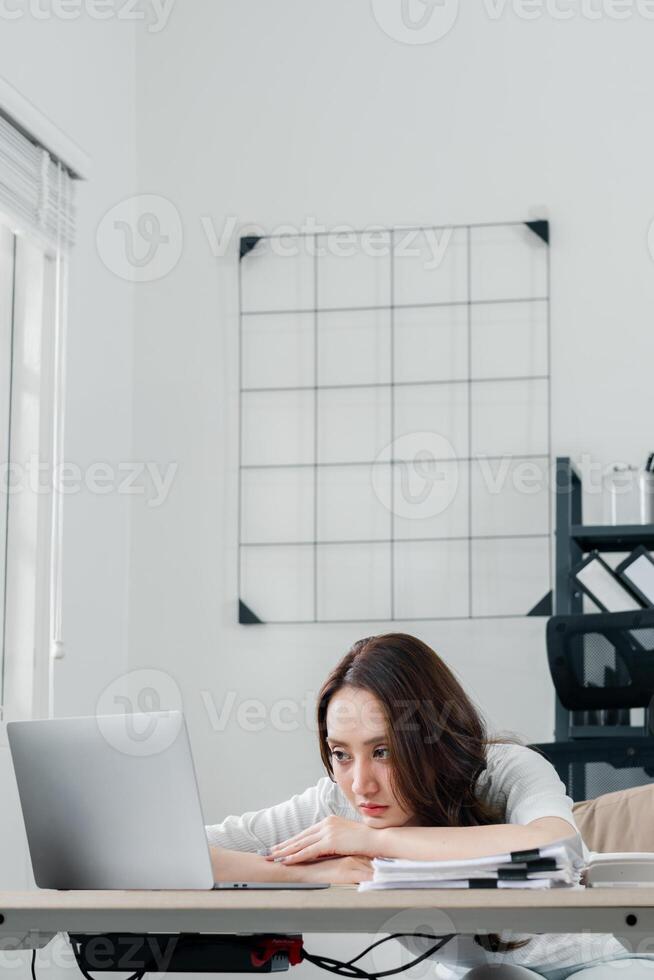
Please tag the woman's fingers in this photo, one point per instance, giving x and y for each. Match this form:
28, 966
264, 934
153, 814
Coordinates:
285, 847
308, 834
282, 850
309, 853
291, 842
307, 830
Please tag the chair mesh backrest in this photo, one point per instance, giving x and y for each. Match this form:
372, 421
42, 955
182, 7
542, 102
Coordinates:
601, 778
602, 661
591, 767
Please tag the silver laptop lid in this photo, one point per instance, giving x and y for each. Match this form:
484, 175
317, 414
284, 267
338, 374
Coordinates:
111, 801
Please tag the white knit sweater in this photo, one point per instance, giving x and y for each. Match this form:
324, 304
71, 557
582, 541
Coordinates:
517, 779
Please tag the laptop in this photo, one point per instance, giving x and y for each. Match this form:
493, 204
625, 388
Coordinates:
112, 802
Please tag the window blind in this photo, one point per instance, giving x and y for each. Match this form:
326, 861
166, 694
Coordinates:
36, 190
37, 202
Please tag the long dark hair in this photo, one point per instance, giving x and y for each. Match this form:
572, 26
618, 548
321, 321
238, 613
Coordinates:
437, 738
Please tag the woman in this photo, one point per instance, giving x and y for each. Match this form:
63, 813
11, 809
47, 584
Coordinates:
412, 774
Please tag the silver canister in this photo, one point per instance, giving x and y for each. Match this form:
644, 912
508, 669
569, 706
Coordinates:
628, 496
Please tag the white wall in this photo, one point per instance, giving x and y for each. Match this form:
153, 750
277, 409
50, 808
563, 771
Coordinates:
273, 113
80, 74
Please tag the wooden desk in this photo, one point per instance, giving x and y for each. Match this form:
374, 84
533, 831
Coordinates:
32, 917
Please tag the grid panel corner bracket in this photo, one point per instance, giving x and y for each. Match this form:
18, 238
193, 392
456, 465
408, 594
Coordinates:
543, 607
246, 616
247, 244
541, 229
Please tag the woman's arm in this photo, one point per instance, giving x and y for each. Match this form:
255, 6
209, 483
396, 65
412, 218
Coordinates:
244, 866
233, 842
537, 812
536, 808
337, 836
453, 843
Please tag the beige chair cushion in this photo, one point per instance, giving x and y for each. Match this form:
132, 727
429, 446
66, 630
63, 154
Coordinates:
622, 821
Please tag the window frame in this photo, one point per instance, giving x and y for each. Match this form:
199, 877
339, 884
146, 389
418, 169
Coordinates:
27, 622
36, 641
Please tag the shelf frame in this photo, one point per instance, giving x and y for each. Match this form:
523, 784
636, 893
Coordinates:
574, 539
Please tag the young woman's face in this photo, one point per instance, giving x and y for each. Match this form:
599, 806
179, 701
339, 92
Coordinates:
356, 735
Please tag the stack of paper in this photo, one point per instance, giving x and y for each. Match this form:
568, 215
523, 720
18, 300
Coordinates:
553, 866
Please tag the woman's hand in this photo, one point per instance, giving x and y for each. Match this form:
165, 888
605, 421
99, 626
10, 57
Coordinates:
333, 836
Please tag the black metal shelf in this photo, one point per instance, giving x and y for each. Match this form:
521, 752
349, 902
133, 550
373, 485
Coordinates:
573, 540
606, 731
619, 537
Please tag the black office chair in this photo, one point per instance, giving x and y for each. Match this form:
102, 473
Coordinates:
602, 662
602, 666
590, 767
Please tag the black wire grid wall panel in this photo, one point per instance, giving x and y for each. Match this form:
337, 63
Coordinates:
394, 424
